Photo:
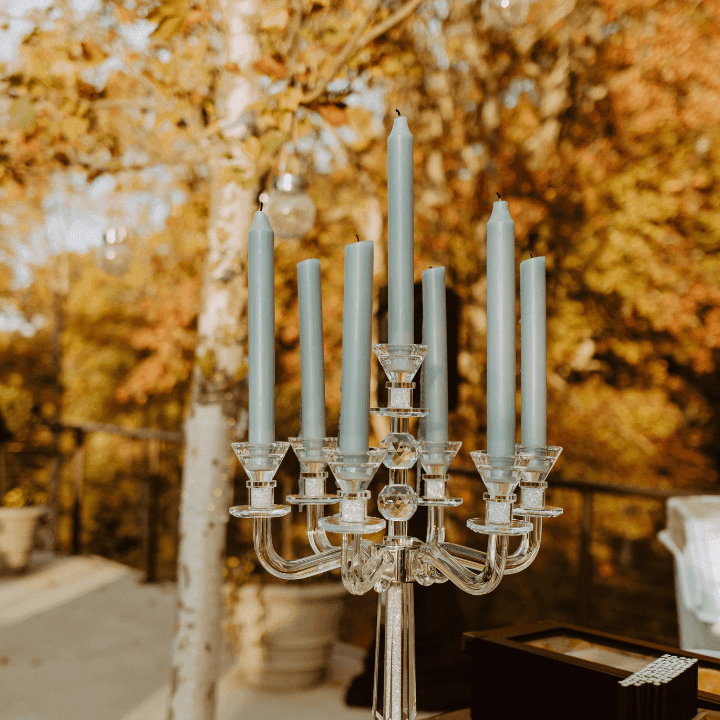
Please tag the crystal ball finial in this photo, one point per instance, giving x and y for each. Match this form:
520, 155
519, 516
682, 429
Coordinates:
397, 502
401, 451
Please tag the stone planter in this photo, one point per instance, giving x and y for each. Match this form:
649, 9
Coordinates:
17, 533
287, 633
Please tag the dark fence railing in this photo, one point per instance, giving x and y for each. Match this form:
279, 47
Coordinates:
151, 478
588, 491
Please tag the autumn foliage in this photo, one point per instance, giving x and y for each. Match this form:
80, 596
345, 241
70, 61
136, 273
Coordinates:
597, 121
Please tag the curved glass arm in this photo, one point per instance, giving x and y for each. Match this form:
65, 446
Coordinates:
528, 549
435, 526
519, 560
318, 538
475, 584
289, 569
316, 535
358, 574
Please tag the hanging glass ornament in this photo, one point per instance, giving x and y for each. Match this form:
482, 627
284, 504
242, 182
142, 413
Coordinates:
505, 14
290, 209
114, 256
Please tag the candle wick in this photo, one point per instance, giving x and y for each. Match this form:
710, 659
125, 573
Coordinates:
397, 111
531, 254
261, 207
498, 194
358, 239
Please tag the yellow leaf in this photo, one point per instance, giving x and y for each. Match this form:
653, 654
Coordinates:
252, 147
275, 19
22, 115
290, 99
73, 127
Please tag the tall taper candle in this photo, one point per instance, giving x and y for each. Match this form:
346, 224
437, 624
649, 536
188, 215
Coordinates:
533, 415
434, 370
500, 331
312, 363
400, 234
356, 348
261, 331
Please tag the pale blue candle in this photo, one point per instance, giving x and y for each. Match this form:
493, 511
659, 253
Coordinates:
500, 331
261, 331
312, 367
533, 416
434, 372
356, 348
401, 251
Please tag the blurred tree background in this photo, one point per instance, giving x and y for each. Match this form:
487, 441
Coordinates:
596, 121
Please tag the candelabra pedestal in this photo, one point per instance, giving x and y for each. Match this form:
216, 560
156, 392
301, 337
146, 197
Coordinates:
392, 566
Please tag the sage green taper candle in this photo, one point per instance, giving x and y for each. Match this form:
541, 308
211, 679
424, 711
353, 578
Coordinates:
500, 331
401, 248
434, 373
312, 367
261, 331
533, 364
356, 348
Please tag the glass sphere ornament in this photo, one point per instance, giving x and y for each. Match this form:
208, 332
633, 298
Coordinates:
505, 14
114, 256
290, 209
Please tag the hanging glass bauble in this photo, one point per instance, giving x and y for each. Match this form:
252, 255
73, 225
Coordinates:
290, 209
505, 14
114, 256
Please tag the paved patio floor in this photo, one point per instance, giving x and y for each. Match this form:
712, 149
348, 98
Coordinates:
81, 638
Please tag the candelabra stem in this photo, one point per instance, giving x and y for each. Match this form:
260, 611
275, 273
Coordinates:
399, 698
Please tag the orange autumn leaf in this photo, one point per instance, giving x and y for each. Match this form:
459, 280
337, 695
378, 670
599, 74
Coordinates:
268, 65
334, 114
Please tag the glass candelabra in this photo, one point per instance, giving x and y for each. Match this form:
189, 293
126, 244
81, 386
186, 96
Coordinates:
391, 566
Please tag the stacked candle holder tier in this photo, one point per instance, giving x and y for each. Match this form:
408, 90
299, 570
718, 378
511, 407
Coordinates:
391, 566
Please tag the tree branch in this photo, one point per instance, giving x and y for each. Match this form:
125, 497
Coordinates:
354, 43
397, 17
345, 53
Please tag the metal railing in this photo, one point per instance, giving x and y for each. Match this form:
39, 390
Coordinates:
588, 490
152, 480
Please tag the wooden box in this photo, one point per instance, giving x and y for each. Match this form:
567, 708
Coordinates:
556, 668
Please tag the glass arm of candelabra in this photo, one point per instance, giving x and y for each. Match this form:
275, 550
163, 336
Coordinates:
475, 559
318, 538
289, 569
489, 575
360, 574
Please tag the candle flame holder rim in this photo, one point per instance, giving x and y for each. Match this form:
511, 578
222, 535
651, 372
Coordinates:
430, 452
248, 511
399, 412
516, 462
515, 527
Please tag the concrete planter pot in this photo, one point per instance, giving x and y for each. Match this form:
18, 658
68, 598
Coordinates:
17, 533
287, 633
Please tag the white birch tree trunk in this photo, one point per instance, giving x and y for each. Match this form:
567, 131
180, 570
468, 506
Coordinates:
217, 413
